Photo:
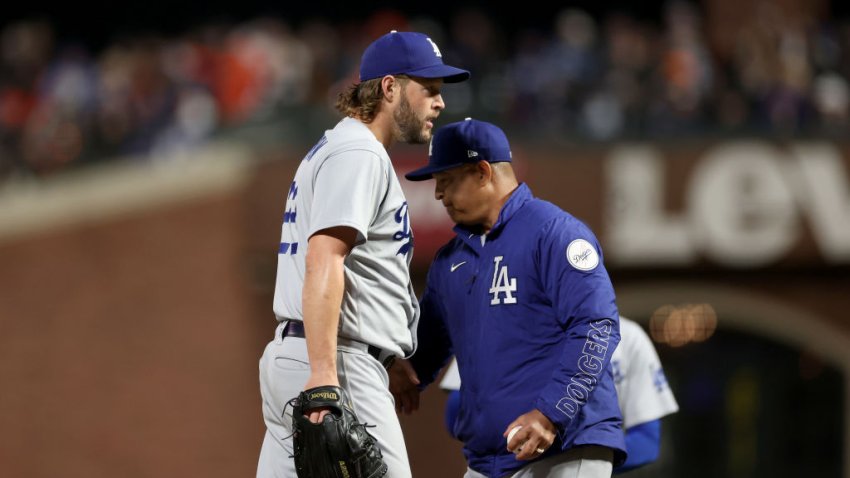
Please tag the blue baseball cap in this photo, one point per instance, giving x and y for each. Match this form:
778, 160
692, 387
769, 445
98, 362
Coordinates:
407, 53
464, 142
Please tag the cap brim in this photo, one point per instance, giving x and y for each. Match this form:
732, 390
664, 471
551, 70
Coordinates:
449, 74
427, 172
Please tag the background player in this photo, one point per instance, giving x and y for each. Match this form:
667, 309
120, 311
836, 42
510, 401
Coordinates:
521, 297
642, 393
343, 296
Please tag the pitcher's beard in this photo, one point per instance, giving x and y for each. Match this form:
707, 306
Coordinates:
409, 128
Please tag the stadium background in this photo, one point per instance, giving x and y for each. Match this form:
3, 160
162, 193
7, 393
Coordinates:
143, 155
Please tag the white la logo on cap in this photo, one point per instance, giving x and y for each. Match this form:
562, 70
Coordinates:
582, 255
434, 45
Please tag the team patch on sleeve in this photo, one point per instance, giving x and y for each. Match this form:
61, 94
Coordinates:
582, 255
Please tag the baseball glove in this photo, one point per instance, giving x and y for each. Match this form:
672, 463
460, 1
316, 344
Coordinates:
340, 446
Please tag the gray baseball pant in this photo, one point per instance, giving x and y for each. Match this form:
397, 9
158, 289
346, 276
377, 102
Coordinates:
284, 370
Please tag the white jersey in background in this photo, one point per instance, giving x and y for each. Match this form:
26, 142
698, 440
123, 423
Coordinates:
642, 389
358, 188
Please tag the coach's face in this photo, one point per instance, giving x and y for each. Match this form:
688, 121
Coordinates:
463, 192
419, 106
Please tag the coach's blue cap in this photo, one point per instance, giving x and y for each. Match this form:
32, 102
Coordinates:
464, 142
407, 53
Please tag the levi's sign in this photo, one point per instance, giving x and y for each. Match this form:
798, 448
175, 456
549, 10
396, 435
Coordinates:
744, 204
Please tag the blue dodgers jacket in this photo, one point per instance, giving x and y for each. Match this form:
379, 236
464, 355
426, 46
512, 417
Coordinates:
530, 315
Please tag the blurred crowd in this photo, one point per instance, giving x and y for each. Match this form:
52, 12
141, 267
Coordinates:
585, 77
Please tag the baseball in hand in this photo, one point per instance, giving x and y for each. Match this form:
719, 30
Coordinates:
511, 435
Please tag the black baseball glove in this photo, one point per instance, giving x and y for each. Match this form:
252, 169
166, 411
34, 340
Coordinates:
340, 446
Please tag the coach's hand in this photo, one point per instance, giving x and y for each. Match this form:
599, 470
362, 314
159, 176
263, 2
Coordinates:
534, 438
403, 386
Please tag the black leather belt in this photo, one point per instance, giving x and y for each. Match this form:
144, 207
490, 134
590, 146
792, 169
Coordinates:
294, 328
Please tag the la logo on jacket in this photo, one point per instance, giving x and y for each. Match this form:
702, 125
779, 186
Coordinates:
502, 284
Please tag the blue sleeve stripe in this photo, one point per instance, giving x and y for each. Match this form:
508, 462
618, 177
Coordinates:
288, 247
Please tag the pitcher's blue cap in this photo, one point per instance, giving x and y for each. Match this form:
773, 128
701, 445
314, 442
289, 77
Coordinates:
407, 53
464, 142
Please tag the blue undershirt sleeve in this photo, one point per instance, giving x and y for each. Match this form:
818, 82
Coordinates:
642, 445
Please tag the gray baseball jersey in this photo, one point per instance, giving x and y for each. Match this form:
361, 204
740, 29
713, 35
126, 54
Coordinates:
347, 179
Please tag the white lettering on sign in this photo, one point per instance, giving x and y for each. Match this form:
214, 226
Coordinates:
742, 211
640, 230
827, 202
745, 205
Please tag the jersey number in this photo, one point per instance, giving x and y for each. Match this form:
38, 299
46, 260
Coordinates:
502, 284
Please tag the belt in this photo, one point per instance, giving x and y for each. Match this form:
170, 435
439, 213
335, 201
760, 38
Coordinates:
295, 328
